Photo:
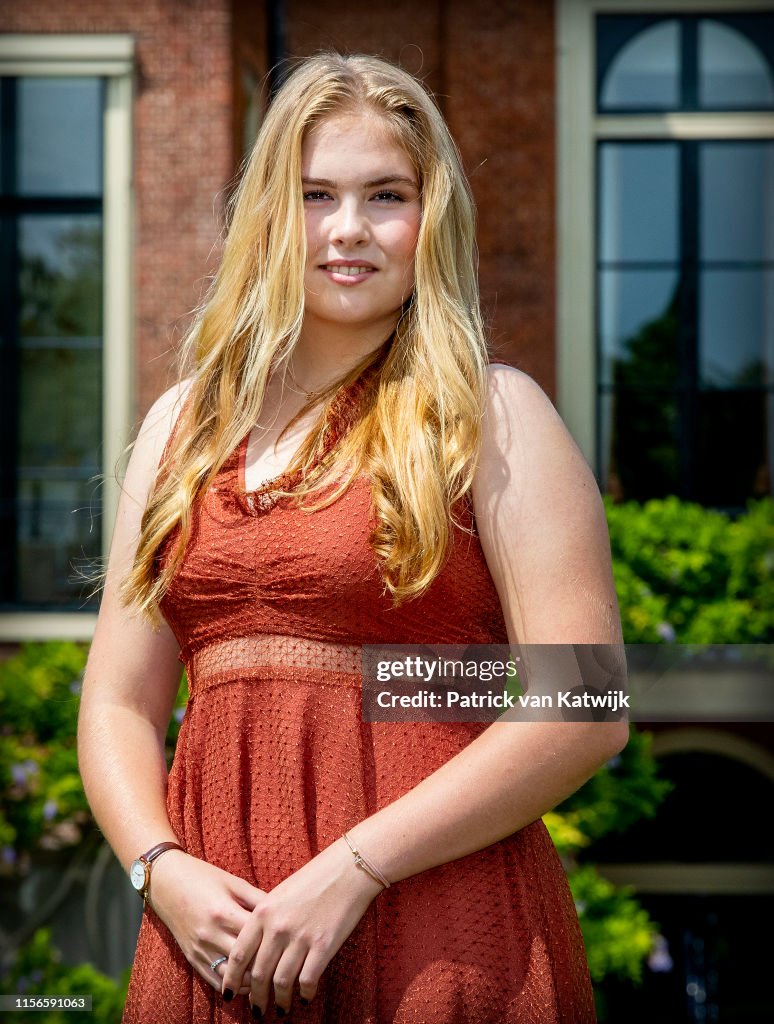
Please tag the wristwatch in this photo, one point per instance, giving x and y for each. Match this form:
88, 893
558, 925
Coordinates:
140, 871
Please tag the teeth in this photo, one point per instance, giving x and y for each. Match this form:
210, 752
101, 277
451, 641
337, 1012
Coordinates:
350, 271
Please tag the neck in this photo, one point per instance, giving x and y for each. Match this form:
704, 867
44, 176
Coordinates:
326, 352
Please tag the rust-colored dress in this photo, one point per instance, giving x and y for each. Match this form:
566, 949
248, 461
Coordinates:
274, 763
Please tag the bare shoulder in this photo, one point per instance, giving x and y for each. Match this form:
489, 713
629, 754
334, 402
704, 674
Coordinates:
153, 435
521, 421
162, 415
541, 519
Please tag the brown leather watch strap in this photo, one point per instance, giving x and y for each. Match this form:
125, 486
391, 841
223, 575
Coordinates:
155, 851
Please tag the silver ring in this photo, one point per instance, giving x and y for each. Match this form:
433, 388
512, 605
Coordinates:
215, 963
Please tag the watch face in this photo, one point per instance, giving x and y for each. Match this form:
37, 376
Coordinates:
137, 875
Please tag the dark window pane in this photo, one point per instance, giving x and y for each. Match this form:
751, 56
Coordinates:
638, 195
638, 326
60, 409
50, 494
736, 327
732, 464
646, 71
60, 275
59, 136
58, 518
733, 72
736, 206
59, 525
638, 443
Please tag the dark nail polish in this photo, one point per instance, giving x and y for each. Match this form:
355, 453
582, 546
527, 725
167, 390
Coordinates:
228, 995
257, 1012
304, 1002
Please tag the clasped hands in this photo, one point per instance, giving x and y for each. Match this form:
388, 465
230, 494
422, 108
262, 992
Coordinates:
272, 939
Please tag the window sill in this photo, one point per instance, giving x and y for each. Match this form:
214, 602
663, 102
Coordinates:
18, 626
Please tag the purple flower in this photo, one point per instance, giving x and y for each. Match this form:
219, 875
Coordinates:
21, 771
659, 960
178, 714
8, 855
75, 686
614, 762
50, 808
36, 975
666, 631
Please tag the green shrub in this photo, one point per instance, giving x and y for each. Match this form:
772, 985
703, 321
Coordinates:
691, 574
617, 932
36, 969
42, 802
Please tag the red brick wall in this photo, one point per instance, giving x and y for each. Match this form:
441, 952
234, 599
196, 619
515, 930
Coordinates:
491, 65
183, 151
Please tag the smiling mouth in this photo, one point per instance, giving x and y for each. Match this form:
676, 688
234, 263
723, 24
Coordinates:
348, 271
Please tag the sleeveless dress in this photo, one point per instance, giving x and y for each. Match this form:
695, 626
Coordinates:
274, 763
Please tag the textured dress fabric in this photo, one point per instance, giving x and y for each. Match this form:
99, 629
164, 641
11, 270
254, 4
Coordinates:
274, 762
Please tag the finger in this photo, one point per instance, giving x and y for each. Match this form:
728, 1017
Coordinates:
230, 921
247, 895
264, 967
212, 975
215, 979
217, 946
311, 971
285, 974
241, 953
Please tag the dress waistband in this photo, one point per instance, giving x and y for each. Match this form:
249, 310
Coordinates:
245, 656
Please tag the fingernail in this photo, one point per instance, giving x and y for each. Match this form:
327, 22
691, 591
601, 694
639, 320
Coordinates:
228, 995
257, 1012
304, 1002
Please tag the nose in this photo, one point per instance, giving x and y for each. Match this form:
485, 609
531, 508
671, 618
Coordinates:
349, 224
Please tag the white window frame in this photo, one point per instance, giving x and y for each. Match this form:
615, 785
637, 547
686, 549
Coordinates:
579, 129
111, 57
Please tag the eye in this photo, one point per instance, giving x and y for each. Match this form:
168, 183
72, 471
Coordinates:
314, 197
389, 196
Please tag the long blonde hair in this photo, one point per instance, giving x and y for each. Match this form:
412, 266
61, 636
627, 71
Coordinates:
417, 434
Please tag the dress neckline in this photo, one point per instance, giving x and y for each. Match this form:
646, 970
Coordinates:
342, 415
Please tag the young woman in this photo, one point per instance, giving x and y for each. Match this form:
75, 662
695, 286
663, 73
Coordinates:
342, 466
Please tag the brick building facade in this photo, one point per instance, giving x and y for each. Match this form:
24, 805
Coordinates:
519, 87
196, 61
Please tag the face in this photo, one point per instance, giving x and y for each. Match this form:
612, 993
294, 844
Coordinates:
362, 208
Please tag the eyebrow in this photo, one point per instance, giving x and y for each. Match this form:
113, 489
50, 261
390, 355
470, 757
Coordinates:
389, 179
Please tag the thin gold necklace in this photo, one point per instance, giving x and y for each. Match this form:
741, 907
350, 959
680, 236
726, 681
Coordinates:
308, 395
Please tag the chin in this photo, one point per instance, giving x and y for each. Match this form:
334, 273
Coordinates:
356, 315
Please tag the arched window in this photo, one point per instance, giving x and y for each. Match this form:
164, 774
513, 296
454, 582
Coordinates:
704, 871
647, 63
685, 258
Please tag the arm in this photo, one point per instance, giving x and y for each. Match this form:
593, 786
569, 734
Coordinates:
129, 687
543, 531
544, 535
